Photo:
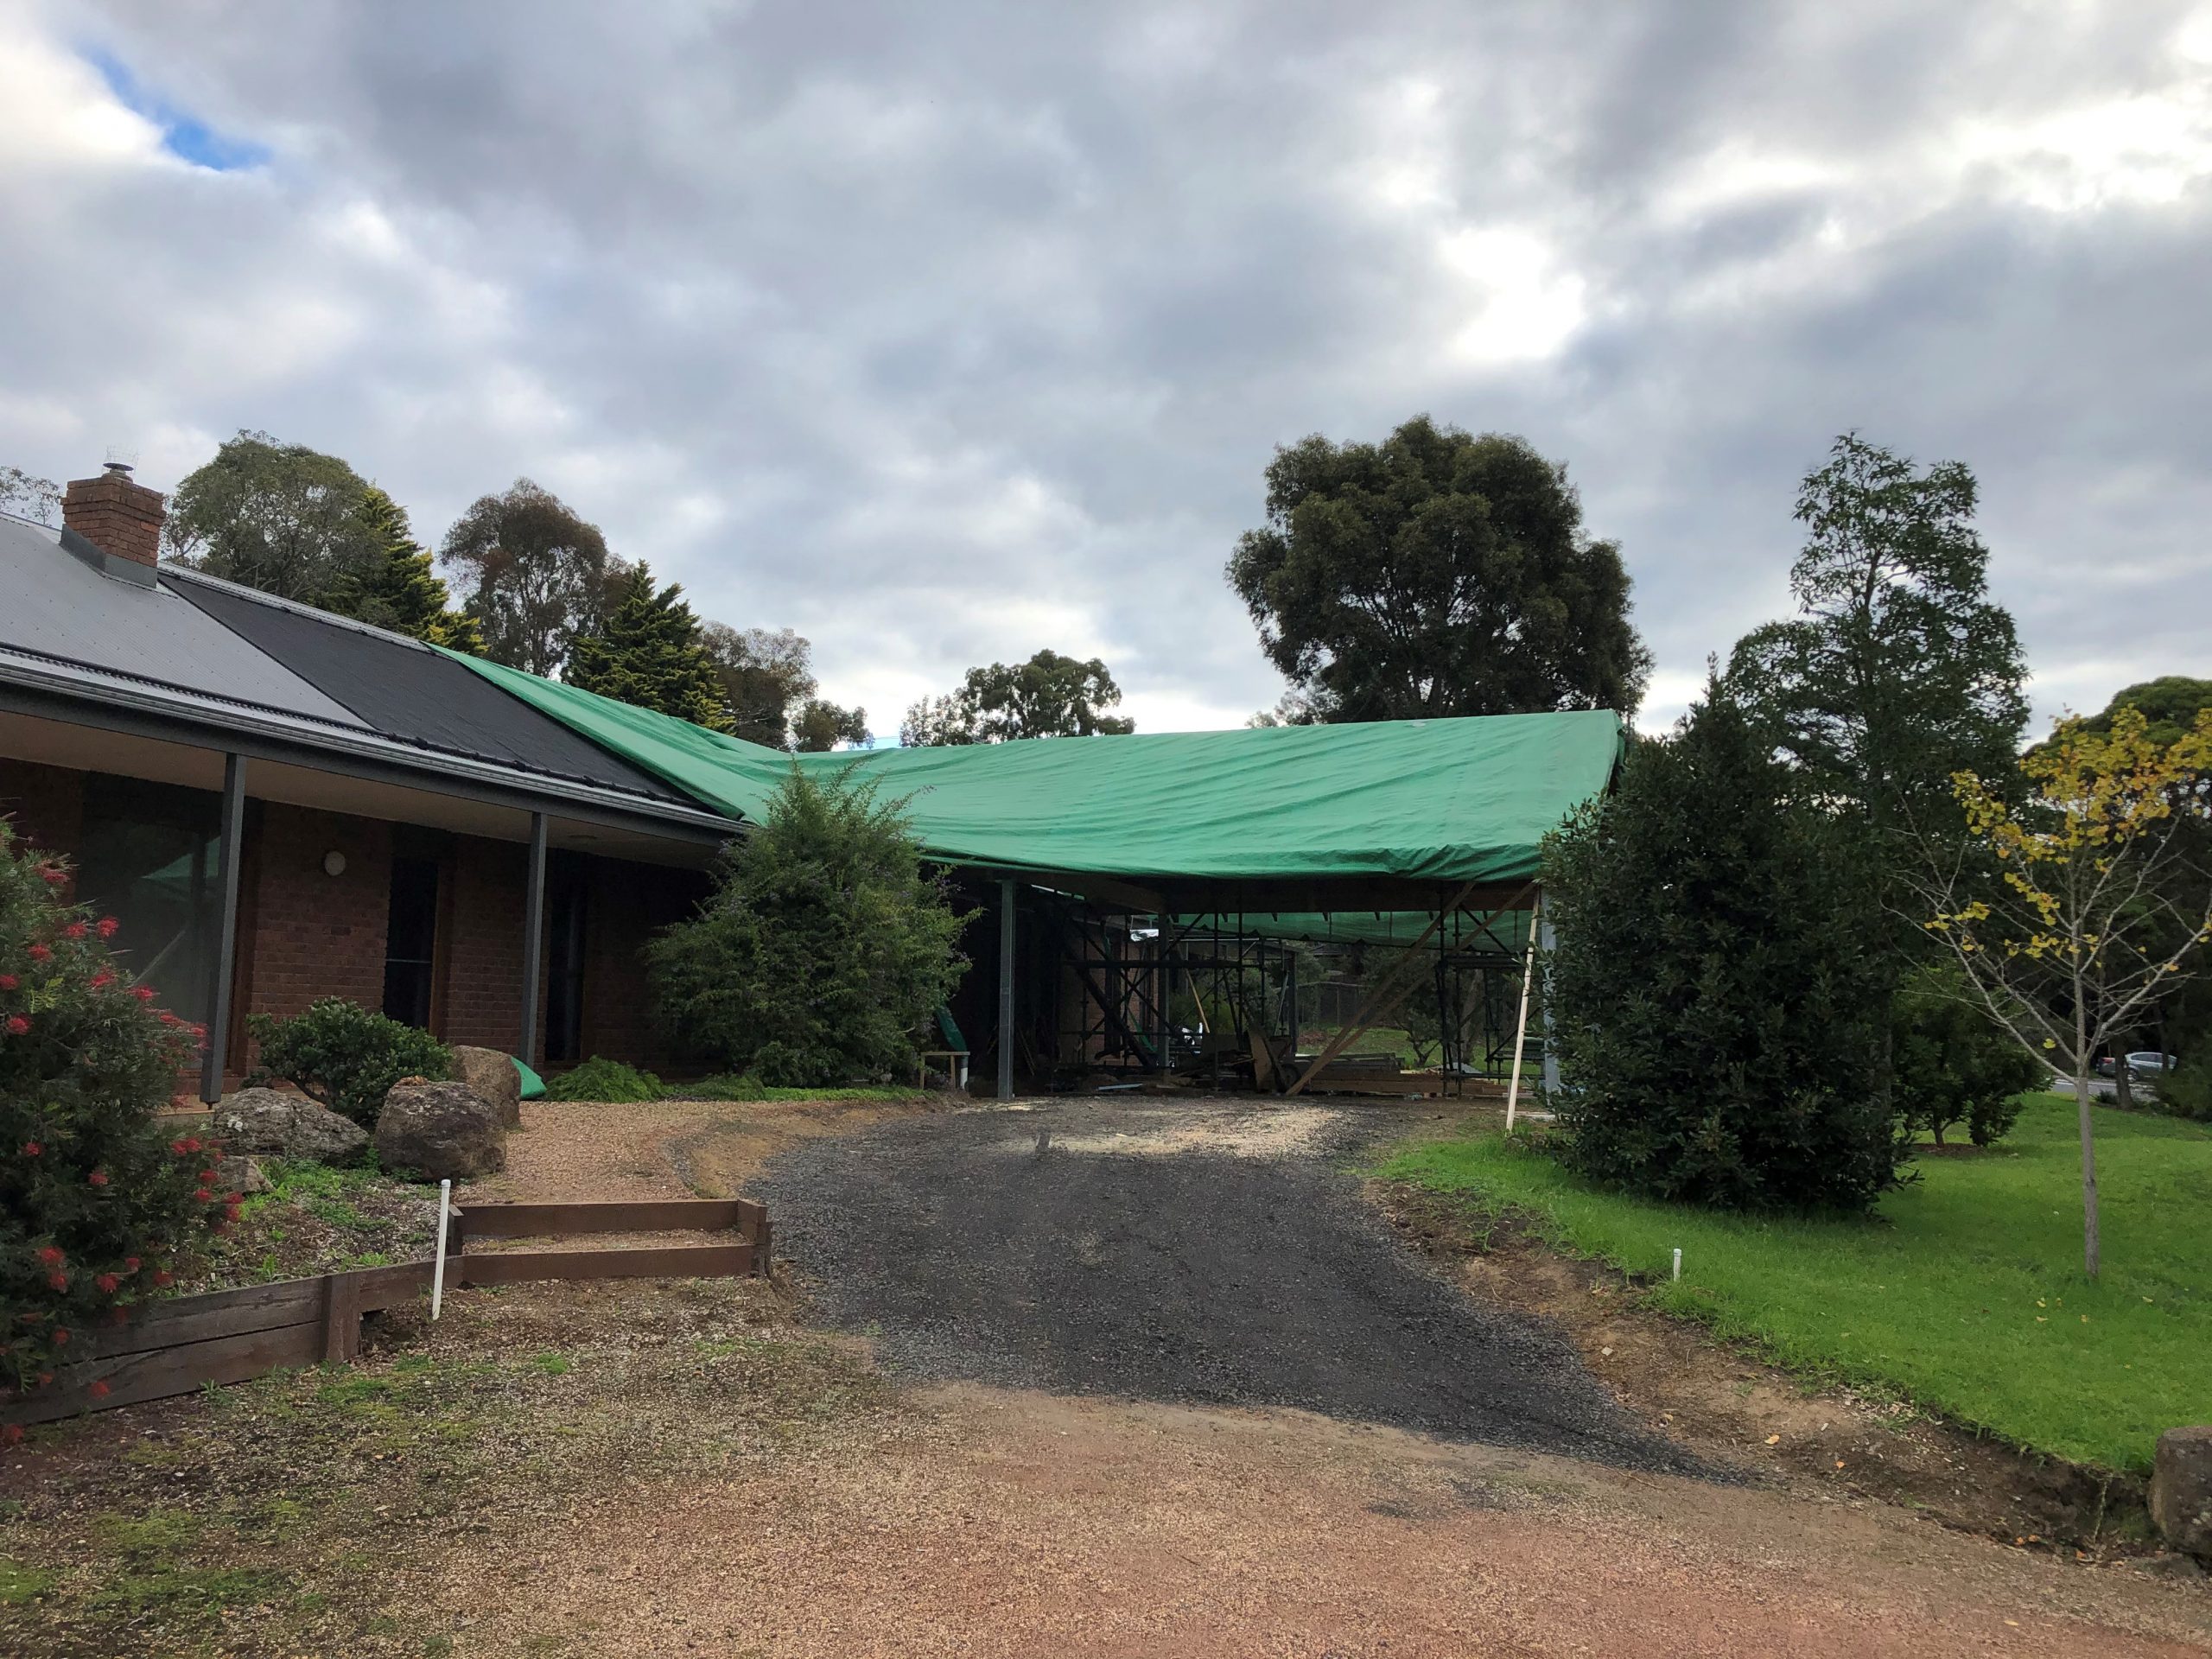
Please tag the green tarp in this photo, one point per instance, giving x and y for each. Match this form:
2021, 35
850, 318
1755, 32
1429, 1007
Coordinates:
1444, 800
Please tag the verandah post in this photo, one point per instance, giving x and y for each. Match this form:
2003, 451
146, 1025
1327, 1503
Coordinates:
1006, 990
212, 1054
533, 930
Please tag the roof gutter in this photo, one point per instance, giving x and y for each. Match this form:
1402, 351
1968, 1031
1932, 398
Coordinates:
134, 711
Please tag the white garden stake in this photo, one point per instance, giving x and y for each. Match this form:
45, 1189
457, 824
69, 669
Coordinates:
438, 1267
1678, 1262
1521, 1029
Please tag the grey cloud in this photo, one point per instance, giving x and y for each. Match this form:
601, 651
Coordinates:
945, 332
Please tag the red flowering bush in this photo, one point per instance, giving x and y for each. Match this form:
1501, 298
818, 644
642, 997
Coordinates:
95, 1194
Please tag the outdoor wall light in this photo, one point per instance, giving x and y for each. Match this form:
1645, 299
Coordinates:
334, 863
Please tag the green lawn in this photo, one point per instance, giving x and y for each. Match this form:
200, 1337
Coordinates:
1965, 1294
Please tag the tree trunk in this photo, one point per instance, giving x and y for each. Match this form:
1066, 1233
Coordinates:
2083, 1102
2082, 1099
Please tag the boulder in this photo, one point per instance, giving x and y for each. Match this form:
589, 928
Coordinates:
263, 1123
491, 1074
2181, 1490
440, 1130
240, 1175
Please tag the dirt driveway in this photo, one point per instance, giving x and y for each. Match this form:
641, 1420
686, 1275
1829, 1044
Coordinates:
1133, 1465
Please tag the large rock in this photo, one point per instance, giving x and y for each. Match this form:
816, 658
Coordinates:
491, 1074
440, 1130
263, 1123
2181, 1490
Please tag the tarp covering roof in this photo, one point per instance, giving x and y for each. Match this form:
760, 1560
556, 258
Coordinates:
1449, 800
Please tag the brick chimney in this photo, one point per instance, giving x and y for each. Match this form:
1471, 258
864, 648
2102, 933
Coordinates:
121, 517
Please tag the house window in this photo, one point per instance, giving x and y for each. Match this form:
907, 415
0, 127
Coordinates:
148, 856
410, 940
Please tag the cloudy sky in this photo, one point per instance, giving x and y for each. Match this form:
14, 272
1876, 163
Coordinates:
944, 331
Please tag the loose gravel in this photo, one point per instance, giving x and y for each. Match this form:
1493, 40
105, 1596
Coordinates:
1212, 1253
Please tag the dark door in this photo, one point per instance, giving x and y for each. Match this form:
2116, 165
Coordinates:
410, 940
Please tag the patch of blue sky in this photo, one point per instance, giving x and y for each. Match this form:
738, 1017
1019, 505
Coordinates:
184, 135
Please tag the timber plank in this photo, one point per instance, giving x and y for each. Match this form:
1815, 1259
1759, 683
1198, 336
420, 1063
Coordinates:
677, 1262
641, 1215
131, 1378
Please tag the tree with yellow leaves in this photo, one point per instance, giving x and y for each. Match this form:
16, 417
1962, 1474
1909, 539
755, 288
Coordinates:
2086, 922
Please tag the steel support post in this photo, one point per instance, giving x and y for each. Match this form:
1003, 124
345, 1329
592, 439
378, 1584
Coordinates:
533, 938
1006, 990
230, 845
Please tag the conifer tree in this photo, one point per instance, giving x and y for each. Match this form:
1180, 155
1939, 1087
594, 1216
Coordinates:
400, 591
1718, 990
648, 652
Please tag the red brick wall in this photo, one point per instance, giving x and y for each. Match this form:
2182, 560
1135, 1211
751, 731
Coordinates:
47, 802
483, 949
315, 934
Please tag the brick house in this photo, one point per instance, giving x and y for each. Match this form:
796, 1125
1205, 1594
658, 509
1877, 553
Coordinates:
280, 804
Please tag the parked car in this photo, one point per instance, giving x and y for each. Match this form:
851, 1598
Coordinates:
2143, 1065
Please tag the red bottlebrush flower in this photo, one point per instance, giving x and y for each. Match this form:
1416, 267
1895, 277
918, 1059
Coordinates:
96, 1388
97, 1178
50, 1257
107, 927
203, 1195
163, 1277
17, 1025
60, 1282
102, 980
61, 1336
11, 1434
207, 1178
31, 1148
199, 1031
40, 953
44, 1377
192, 1143
168, 1019
143, 993
180, 1148
108, 1283
8, 982
130, 1264
52, 876
74, 930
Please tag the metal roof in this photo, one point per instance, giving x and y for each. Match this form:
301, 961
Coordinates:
402, 689
218, 665
60, 608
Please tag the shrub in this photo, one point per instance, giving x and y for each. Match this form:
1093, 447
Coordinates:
821, 949
1717, 988
96, 1195
1951, 1065
607, 1080
339, 1054
2186, 1091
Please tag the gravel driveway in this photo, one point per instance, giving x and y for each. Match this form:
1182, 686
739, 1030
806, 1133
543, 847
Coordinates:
1216, 1253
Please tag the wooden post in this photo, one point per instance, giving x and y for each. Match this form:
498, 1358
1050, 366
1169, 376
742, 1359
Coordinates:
1521, 1027
229, 847
341, 1318
533, 931
1006, 990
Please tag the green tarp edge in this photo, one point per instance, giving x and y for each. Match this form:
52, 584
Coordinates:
1431, 800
